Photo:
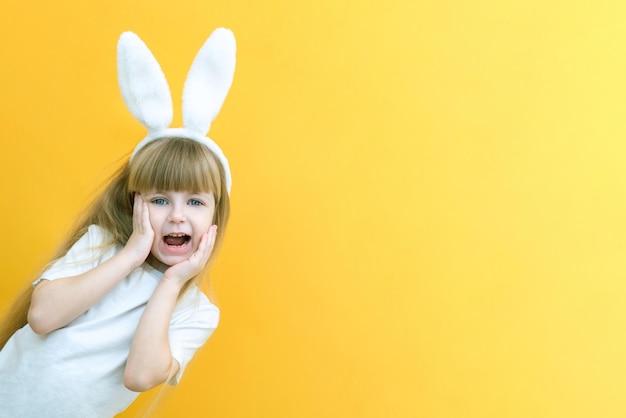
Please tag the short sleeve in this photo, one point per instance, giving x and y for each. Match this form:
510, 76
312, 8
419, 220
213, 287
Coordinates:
192, 323
89, 251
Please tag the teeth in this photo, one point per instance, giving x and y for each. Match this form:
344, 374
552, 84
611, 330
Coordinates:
177, 235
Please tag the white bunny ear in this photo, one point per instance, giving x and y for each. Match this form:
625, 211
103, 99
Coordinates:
208, 81
147, 94
143, 84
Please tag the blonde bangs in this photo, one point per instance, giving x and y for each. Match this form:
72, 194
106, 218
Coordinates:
176, 164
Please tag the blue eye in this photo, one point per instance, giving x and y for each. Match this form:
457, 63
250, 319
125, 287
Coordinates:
195, 202
159, 201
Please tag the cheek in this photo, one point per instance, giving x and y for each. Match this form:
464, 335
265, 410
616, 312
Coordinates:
202, 222
154, 216
212, 217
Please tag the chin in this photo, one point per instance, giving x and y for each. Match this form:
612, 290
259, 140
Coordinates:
163, 263
170, 261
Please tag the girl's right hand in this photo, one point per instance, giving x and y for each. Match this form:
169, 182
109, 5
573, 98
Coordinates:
140, 241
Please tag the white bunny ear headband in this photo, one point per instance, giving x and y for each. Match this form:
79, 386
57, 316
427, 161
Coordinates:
147, 94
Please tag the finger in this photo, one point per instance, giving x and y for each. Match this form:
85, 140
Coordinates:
136, 209
210, 237
204, 249
146, 216
200, 257
142, 211
202, 246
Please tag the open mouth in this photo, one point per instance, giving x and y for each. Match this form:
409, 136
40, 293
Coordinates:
176, 240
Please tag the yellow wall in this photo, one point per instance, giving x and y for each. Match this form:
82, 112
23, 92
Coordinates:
428, 204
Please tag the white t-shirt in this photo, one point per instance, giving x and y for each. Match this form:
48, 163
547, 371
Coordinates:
77, 371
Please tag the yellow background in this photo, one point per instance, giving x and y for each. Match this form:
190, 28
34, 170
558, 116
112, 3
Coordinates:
428, 202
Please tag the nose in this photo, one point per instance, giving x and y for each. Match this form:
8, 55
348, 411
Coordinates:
177, 214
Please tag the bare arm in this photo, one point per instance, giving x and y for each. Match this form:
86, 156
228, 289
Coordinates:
150, 360
56, 303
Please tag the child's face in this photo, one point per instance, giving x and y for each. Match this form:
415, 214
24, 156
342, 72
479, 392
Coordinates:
178, 219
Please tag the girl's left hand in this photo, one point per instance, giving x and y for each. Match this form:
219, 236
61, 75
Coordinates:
182, 272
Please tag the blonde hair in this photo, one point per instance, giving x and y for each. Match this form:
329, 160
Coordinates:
166, 164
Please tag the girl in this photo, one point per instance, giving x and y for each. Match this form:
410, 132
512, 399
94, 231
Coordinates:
119, 311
